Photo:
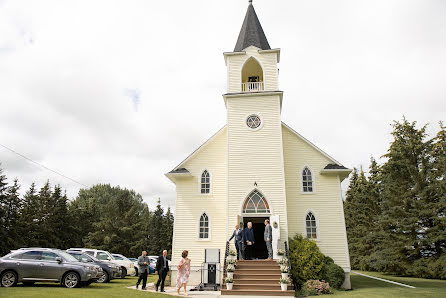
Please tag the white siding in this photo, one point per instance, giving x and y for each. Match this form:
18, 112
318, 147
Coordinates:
190, 203
255, 156
325, 202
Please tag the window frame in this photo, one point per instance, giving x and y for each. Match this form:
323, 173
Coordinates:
313, 180
210, 182
245, 119
316, 221
209, 227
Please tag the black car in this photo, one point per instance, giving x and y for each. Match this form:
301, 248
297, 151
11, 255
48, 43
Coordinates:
109, 270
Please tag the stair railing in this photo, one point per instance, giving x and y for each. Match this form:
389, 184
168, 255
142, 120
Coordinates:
287, 254
224, 262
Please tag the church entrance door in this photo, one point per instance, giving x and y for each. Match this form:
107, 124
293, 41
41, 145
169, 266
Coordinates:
258, 225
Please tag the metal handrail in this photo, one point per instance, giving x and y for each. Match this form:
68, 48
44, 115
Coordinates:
224, 262
287, 254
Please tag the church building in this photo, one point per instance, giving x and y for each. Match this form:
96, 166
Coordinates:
257, 167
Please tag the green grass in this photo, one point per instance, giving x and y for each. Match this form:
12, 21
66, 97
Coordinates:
362, 287
115, 288
367, 287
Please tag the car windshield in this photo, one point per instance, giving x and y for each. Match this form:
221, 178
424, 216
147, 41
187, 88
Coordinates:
102, 256
67, 256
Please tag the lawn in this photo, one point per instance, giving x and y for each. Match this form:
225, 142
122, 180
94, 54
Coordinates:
367, 287
116, 288
362, 287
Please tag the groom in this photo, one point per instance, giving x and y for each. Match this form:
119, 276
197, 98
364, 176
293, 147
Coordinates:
268, 237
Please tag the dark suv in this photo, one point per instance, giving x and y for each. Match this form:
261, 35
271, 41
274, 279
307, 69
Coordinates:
109, 270
30, 265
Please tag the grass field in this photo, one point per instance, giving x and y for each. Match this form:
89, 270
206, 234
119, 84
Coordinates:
362, 287
367, 287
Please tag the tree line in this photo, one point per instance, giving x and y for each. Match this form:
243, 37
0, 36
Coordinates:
101, 217
395, 216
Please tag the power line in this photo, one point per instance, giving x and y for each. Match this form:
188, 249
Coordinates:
41, 165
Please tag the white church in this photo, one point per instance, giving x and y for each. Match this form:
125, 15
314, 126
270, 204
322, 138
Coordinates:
257, 167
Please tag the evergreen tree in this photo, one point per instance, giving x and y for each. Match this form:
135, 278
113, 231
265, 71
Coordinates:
168, 231
157, 243
3, 199
29, 219
13, 208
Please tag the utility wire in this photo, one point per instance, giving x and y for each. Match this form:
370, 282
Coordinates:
41, 165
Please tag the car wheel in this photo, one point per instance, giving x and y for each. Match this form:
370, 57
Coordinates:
8, 279
136, 272
71, 280
104, 278
123, 272
28, 283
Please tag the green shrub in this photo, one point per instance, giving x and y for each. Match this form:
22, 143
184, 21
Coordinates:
306, 260
333, 274
315, 287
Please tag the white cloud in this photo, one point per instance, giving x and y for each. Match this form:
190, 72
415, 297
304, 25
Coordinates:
70, 69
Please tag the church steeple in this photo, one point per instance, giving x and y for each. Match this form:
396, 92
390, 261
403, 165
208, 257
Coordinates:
251, 33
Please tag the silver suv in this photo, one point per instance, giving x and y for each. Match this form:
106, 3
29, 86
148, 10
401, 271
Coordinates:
30, 265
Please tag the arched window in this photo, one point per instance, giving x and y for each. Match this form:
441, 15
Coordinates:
205, 182
204, 227
252, 76
307, 180
256, 203
310, 224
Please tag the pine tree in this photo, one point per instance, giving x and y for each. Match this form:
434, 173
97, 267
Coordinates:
404, 179
157, 243
13, 208
168, 231
3, 199
29, 219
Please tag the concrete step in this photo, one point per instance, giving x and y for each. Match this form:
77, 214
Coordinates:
257, 292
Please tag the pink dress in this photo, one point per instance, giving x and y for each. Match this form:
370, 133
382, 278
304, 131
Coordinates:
183, 272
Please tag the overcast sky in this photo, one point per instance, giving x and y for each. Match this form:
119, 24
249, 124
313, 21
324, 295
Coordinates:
121, 91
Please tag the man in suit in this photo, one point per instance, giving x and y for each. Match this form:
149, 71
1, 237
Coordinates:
248, 234
162, 267
238, 241
143, 262
268, 237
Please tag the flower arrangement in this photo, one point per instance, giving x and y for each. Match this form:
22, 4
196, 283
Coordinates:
316, 287
283, 261
230, 268
231, 261
284, 269
280, 252
229, 280
232, 253
284, 281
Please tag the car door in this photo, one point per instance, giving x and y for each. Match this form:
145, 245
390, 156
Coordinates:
28, 264
51, 268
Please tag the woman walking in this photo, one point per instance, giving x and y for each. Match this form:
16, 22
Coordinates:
183, 272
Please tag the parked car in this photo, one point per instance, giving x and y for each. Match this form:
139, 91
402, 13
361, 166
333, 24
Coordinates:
109, 270
30, 265
124, 262
102, 255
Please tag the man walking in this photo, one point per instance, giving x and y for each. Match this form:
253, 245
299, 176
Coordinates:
143, 262
162, 267
268, 237
248, 233
238, 241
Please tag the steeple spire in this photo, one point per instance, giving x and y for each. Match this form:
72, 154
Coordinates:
251, 33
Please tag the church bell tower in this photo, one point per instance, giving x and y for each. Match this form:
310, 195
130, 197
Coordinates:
254, 130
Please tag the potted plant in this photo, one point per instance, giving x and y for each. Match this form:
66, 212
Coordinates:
284, 269
280, 252
233, 254
282, 261
284, 283
231, 261
230, 269
229, 283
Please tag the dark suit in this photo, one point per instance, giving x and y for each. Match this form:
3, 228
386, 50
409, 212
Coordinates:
248, 235
162, 267
143, 270
238, 241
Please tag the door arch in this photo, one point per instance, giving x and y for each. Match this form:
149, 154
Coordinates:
256, 203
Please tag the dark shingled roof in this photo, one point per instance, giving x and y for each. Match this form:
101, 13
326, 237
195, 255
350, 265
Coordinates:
332, 166
179, 171
251, 33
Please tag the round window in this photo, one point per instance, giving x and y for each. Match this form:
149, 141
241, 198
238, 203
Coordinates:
253, 121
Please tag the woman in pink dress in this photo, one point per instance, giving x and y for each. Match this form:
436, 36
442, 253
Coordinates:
183, 272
